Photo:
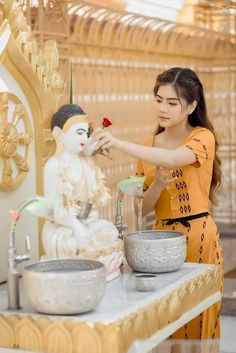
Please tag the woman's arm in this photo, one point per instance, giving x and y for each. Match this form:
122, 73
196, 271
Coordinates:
154, 155
162, 178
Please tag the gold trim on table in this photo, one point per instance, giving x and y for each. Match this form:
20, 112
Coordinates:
60, 336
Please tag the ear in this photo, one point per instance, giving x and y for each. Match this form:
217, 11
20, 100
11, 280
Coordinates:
58, 137
192, 107
56, 132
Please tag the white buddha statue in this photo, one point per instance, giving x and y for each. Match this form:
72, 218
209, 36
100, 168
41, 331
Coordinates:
69, 178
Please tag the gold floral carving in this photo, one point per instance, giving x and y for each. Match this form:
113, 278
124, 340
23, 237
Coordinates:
102, 252
15, 141
54, 80
28, 335
56, 11
7, 333
57, 338
110, 337
43, 86
47, 74
60, 336
86, 339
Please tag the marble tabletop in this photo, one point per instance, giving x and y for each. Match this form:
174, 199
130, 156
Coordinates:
121, 297
122, 301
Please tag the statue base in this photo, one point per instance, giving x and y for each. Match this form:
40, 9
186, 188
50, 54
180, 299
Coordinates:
111, 257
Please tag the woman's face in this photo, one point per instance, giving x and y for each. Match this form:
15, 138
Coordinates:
75, 137
170, 110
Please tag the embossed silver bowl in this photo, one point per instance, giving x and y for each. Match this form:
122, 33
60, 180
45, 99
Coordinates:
64, 286
155, 251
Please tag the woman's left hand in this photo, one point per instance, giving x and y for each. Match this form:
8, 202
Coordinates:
164, 175
105, 139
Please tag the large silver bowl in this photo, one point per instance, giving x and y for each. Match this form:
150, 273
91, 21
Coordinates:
155, 251
64, 286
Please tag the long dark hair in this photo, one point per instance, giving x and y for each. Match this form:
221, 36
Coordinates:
188, 86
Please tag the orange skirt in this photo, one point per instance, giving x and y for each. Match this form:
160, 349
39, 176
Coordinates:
203, 246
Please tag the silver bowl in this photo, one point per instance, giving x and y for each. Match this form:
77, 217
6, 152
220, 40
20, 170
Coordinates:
155, 251
64, 286
145, 281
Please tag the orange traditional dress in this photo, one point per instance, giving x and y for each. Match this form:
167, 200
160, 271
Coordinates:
188, 195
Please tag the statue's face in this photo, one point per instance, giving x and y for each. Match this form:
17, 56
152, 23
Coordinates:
75, 137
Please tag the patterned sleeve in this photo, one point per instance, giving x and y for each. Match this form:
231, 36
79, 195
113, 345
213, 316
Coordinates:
202, 143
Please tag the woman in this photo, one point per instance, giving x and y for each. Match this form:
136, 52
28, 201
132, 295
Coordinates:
182, 172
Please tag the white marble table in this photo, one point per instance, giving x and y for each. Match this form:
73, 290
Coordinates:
133, 321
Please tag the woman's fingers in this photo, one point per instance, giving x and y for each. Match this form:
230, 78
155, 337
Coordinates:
97, 134
104, 138
97, 131
172, 179
104, 143
165, 175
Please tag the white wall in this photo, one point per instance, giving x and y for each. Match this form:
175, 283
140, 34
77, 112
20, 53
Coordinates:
28, 225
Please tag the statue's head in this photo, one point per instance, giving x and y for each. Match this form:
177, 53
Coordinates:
69, 127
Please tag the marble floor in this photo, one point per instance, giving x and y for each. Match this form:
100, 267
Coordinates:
228, 340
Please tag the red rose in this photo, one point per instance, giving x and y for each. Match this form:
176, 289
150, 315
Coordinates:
106, 122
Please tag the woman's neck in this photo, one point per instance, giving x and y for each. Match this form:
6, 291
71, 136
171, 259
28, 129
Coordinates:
178, 132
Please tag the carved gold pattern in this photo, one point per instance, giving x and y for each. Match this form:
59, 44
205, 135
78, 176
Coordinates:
57, 338
45, 64
8, 139
36, 71
15, 141
53, 335
86, 339
119, 246
7, 334
28, 335
56, 11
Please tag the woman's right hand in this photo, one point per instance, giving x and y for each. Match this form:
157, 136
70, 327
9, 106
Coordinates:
104, 139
